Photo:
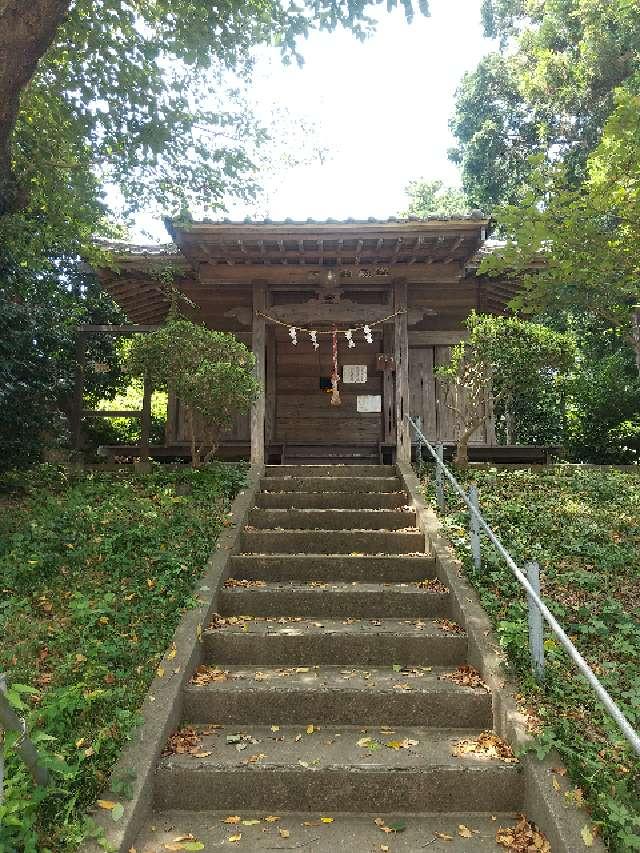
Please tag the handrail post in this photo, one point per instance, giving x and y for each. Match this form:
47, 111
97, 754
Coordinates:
536, 625
474, 527
419, 444
439, 448
9, 720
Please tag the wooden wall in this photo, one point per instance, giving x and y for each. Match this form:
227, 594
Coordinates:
298, 412
427, 398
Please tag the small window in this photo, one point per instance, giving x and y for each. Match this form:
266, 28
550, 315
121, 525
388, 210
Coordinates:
325, 383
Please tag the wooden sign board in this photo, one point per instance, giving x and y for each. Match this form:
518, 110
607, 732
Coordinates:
369, 403
354, 374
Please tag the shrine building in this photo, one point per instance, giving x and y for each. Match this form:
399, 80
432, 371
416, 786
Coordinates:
396, 294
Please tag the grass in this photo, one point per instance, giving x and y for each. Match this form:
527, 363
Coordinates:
583, 527
95, 572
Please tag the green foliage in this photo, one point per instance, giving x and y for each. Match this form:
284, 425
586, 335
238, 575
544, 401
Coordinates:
603, 410
515, 358
496, 133
582, 527
587, 237
104, 567
432, 198
550, 91
99, 431
212, 373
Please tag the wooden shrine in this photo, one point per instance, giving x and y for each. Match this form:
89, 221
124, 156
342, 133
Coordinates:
396, 292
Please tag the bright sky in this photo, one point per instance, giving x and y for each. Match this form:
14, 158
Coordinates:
381, 108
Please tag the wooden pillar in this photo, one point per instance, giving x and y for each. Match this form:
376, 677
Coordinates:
270, 387
145, 423
78, 392
171, 425
258, 341
403, 437
388, 397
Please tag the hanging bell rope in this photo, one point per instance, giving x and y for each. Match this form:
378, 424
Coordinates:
335, 393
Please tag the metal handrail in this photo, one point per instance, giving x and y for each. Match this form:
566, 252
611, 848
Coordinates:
625, 726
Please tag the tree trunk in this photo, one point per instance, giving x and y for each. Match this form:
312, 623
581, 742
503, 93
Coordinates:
461, 458
635, 336
27, 29
195, 453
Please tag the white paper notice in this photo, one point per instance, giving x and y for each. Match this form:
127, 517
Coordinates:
354, 374
369, 403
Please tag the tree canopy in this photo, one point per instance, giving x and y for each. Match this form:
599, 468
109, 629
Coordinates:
140, 82
432, 198
550, 90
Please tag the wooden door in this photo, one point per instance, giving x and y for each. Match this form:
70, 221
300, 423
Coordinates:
304, 414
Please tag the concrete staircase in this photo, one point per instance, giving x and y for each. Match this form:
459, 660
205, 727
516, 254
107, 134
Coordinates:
321, 694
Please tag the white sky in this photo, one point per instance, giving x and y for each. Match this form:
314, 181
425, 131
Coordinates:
381, 108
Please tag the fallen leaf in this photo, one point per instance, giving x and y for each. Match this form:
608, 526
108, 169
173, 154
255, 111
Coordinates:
464, 831
443, 836
105, 804
117, 812
587, 835
326, 819
233, 839
284, 833
232, 819
272, 818
310, 730
250, 822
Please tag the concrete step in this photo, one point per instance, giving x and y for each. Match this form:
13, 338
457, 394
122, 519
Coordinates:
331, 500
331, 484
347, 833
327, 770
416, 696
305, 642
332, 519
320, 567
335, 470
333, 598
331, 542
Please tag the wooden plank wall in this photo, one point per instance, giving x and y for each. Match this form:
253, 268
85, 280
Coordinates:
427, 396
303, 411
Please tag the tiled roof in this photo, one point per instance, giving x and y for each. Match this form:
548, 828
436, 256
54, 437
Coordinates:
371, 220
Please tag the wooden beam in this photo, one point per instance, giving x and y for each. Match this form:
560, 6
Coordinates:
258, 347
445, 338
418, 273
115, 329
403, 437
110, 413
396, 251
454, 249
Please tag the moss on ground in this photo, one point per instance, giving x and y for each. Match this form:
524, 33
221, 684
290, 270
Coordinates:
95, 572
583, 527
